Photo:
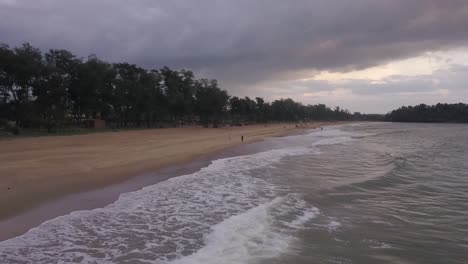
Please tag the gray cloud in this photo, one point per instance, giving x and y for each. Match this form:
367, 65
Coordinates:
445, 85
240, 42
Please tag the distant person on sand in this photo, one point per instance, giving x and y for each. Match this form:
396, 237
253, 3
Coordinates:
242, 138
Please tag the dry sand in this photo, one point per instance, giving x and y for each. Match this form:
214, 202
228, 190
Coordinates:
34, 170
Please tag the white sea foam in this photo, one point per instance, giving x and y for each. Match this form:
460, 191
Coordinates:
333, 226
254, 235
228, 212
328, 136
169, 220
333, 141
374, 244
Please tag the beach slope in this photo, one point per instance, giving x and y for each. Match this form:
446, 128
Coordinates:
34, 170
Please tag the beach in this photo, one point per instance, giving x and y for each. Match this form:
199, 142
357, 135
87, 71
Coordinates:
36, 170
352, 193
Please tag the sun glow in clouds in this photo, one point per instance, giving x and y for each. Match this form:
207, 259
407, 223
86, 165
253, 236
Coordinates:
425, 64
429, 78
339, 92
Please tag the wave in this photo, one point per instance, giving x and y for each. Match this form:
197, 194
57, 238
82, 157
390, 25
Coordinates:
328, 136
162, 222
257, 234
228, 212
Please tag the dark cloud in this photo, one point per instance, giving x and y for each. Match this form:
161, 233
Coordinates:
240, 42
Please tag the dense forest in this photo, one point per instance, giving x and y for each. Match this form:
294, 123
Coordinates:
56, 90
439, 113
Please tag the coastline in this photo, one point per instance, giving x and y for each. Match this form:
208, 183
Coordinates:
94, 185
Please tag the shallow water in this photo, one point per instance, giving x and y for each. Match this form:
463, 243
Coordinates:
363, 193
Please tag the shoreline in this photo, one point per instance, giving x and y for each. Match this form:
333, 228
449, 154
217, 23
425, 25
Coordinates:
104, 189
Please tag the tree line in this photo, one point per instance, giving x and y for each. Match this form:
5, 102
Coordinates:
439, 113
57, 89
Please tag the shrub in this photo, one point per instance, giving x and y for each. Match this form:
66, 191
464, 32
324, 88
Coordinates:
12, 128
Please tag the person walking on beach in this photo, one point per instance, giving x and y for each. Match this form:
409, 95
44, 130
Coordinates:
242, 138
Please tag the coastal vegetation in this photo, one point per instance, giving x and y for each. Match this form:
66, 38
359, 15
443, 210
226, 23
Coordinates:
56, 90
439, 113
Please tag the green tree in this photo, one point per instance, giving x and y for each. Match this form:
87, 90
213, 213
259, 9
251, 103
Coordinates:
90, 90
179, 90
425, 113
20, 71
6, 56
51, 90
210, 101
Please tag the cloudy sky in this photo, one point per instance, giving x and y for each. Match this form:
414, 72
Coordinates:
364, 55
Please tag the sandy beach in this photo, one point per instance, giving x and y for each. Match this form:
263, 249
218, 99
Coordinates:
36, 170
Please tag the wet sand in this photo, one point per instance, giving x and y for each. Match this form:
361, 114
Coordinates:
42, 178
98, 198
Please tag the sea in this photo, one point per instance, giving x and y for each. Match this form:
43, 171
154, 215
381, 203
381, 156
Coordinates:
354, 193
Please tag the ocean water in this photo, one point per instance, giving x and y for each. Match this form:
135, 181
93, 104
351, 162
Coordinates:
360, 193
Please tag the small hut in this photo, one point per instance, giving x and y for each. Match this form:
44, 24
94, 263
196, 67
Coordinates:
95, 123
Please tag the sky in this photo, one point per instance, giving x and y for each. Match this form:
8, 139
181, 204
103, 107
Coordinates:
370, 56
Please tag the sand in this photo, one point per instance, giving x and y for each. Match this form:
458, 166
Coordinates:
35, 170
